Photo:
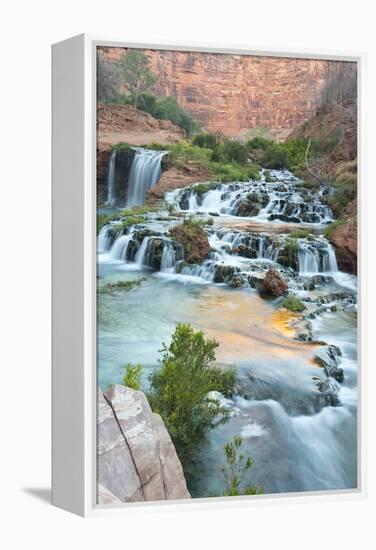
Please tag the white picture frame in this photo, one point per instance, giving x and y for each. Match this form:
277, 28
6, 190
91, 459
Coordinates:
74, 277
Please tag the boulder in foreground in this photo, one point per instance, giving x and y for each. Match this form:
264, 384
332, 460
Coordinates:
137, 460
273, 284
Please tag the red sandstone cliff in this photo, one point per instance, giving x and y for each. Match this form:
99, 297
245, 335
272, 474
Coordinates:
231, 94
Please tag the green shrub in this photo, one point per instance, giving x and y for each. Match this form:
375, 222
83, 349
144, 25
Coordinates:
259, 143
299, 234
234, 151
167, 108
122, 146
182, 152
293, 304
145, 102
202, 188
236, 468
132, 376
180, 387
234, 172
206, 140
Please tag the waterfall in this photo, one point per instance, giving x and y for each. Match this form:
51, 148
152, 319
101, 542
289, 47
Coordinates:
111, 197
332, 260
316, 257
141, 252
104, 239
257, 199
145, 172
168, 260
120, 247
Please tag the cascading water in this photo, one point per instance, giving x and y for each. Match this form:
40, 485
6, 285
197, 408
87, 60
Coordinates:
120, 247
111, 196
316, 257
168, 261
257, 199
145, 172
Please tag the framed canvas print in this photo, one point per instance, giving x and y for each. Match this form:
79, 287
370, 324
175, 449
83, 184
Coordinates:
206, 327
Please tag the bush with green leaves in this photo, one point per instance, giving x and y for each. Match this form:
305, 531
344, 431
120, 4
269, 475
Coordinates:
293, 303
180, 388
234, 151
259, 143
168, 108
235, 470
206, 140
132, 376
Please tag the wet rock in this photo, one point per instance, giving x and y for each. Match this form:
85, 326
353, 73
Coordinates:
223, 272
329, 393
237, 281
328, 358
273, 284
245, 251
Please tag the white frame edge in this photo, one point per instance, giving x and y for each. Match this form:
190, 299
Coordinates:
74, 280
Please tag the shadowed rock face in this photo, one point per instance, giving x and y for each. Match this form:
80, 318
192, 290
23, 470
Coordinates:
137, 460
275, 93
344, 239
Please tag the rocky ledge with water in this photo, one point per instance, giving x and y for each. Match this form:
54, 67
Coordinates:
226, 258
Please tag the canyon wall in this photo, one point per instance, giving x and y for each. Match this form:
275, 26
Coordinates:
231, 94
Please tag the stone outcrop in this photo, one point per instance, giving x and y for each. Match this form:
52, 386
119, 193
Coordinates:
136, 459
123, 163
231, 94
194, 241
273, 283
344, 239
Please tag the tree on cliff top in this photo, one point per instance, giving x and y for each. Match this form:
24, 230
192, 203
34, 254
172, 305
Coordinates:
138, 78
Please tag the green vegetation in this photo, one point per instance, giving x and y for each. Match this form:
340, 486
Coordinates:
290, 153
223, 151
183, 152
202, 188
122, 146
220, 162
126, 217
293, 304
235, 172
109, 288
288, 254
206, 140
132, 73
132, 376
235, 470
300, 234
180, 387
135, 73
167, 108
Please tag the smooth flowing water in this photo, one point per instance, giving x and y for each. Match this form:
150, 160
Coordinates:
111, 196
145, 172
